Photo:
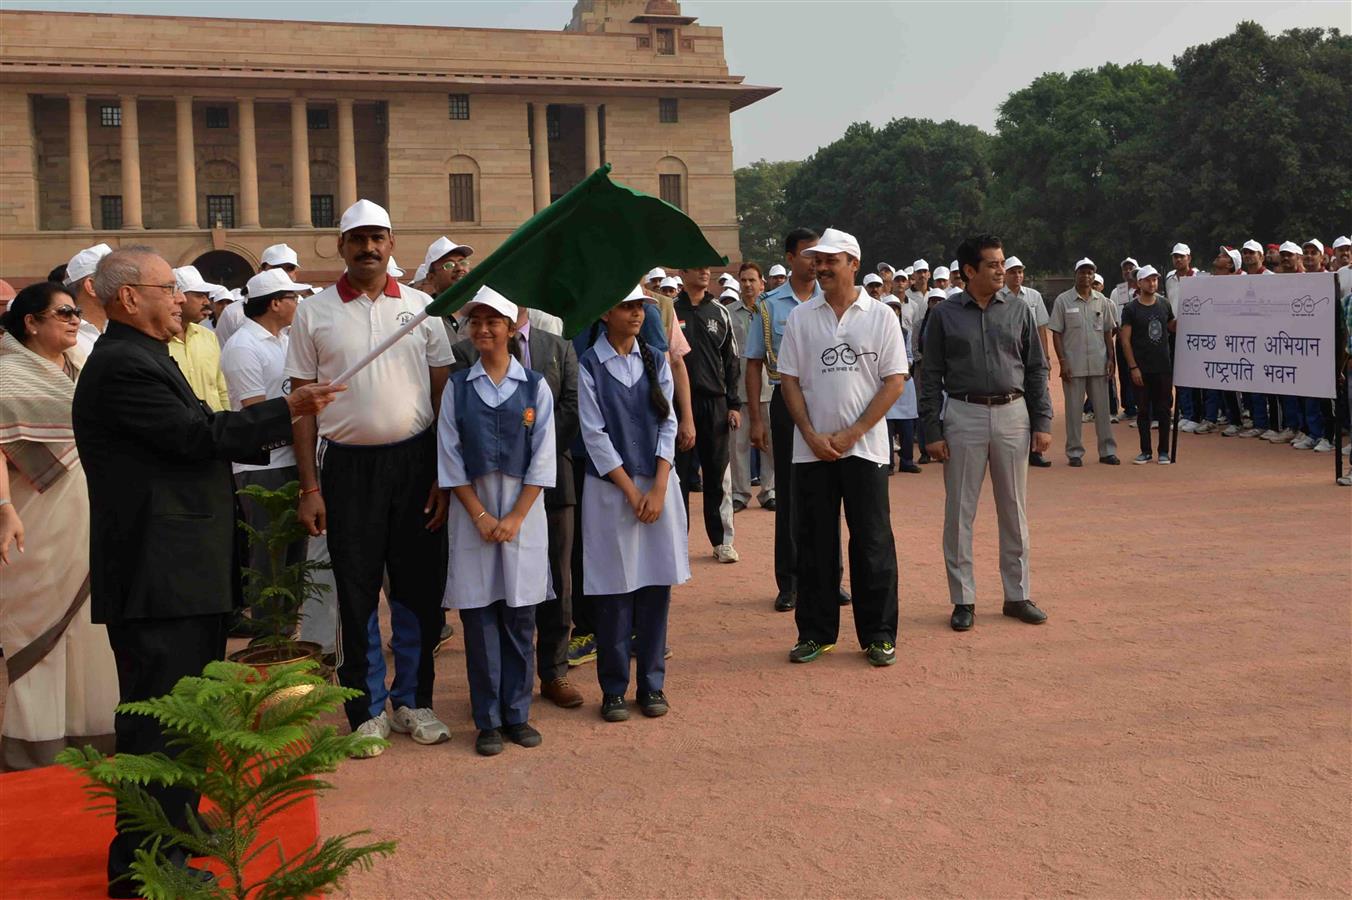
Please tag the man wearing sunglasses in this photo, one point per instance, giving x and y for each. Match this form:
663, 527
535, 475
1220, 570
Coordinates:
446, 264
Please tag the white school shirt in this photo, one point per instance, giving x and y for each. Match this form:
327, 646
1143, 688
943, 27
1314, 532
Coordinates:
840, 366
391, 399
481, 572
86, 337
232, 318
254, 365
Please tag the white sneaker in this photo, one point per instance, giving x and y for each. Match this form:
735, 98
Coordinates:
1305, 443
1154, 424
1187, 425
1204, 427
1323, 446
420, 724
1230, 431
379, 727
726, 553
1268, 435
1251, 433
1345, 480
1116, 418
1347, 451
1132, 423
1222, 419
1087, 417
1285, 436
1247, 421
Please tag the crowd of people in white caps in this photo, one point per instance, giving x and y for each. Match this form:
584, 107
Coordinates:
539, 485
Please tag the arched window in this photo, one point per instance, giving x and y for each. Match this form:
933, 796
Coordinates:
673, 182
463, 177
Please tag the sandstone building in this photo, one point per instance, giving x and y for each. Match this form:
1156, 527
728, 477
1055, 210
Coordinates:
213, 138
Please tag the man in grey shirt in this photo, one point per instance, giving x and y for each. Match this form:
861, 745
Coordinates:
982, 349
1082, 325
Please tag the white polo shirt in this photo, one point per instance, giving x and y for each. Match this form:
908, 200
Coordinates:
840, 365
391, 399
231, 318
254, 365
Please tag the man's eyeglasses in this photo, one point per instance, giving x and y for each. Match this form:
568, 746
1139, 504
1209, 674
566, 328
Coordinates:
170, 288
455, 264
67, 313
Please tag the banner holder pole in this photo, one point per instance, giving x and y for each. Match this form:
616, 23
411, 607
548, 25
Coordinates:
1173, 438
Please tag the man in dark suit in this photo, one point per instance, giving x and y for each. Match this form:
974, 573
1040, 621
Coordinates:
160, 492
554, 358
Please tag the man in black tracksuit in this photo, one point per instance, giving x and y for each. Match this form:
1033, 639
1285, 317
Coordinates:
715, 400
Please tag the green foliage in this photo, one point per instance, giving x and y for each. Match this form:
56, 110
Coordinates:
278, 595
760, 209
252, 747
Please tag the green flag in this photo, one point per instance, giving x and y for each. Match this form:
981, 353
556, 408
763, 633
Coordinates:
582, 254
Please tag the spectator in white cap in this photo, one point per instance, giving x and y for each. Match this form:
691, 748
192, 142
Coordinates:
80, 285
1251, 258
670, 286
778, 275
1292, 258
1147, 324
446, 264
939, 279
654, 277
280, 256
254, 366
1189, 399
1082, 324
727, 280
195, 348
1312, 252
1291, 262
886, 272
873, 286
919, 277
955, 278
1015, 289
843, 364
1342, 255
376, 498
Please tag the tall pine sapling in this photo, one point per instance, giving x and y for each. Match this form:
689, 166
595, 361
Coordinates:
278, 594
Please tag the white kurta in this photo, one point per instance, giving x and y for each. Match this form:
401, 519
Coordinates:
620, 554
481, 572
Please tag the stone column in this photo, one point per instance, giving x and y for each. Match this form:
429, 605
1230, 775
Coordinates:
131, 165
300, 165
248, 165
539, 155
79, 164
347, 156
187, 163
593, 137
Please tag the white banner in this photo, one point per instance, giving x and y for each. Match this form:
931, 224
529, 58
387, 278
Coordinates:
1265, 334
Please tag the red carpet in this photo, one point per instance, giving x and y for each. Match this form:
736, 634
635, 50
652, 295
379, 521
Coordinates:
53, 845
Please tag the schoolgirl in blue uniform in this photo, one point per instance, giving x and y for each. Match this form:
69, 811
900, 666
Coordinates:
634, 542
496, 454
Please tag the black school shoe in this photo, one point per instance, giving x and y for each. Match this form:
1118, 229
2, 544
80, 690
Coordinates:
1110, 460
1025, 611
489, 742
653, 704
1038, 460
786, 601
1076, 463
522, 735
963, 618
613, 708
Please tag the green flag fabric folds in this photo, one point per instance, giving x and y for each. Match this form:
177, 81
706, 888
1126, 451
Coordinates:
582, 254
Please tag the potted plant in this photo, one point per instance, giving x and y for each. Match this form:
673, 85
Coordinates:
277, 594
251, 745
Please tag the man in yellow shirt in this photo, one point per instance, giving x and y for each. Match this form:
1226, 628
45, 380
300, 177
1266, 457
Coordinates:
196, 350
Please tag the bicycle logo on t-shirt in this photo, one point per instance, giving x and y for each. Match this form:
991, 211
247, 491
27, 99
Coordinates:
843, 356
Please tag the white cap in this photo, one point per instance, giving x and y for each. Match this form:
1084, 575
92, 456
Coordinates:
636, 294
919, 266
953, 290
659, 273
936, 293
941, 272
392, 268
1234, 257
728, 279
671, 281
730, 294
908, 271
1289, 247
187, 278
888, 266
1256, 247
220, 292
1129, 259
835, 241
1145, 272
870, 278
237, 294
778, 271
83, 264
444, 246
1181, 248
420, 274
280, 255
1343, 241
273, 281
1086, 261
315, 289
954, 266
1013, 263
1098, 279
486, 296
364, 212
1316, 241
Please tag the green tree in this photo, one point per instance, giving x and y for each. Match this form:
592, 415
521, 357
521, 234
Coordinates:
760, 209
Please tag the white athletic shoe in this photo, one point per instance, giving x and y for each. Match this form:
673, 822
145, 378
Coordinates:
1204, 427
420, 724
1222, 419
1187, 425
1323, 446
1268, 435
378, 727
1132, 423
1154, 424
1164, 460
1347, 451
1285, 436
1345, 480
1305, 443
1115, 419
1230, 431
1251, 433
1087, 417
726, 553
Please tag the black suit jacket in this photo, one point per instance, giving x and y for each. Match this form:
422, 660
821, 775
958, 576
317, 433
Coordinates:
163, 540
554, 358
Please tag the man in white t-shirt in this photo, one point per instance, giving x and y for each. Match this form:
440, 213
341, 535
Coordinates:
80, 285
376, 493
278, 256
842, 364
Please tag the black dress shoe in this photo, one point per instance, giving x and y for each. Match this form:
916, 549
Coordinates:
924, 459
786, 601
964, 616
909, 468
738, 506
769, 504
1076, 463
1037, 459
845, 597
1025, 611
1110, 460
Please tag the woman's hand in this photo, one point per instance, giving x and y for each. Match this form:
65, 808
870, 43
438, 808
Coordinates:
11, 530
650, 508
486, 525
508, 527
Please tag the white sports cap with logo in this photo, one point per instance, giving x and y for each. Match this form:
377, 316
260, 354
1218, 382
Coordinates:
834, 240
938, 294
83, 264
885, 267
727, 278
955, 266
1234, 257
280, 255
486, 296
730, 294
220, 292
908, 271
919, 266
1098, 279
941, 272
656, 274
1181, 249
1289, 247
188, 279
1086, 261
444, 246
1145, 272
1129, 261
1253, 245
1316, 242
364, 213
1013, 263
671, 281
1340, 242
273, 281
871, 278
777, 271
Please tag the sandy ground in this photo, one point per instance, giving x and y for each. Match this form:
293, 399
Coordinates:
1180, 726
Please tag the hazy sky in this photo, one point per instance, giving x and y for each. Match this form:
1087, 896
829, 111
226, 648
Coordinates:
843, 61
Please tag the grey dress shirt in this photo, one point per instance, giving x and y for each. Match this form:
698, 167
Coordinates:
969, 350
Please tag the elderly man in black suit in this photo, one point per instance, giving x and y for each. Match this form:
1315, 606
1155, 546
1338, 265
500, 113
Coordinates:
160, 492
555, 359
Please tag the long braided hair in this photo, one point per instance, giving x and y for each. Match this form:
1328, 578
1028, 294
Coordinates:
655, 395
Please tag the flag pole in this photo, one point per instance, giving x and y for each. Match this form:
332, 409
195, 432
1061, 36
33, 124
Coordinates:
346, 376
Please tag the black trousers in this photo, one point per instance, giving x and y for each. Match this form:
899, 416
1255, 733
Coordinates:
861, 486
710, 455
1154, 401
375, 498
151, 656
632, 624
554, 618
781, 436
584, 607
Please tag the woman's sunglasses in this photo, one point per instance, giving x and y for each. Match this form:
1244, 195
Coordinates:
67, 313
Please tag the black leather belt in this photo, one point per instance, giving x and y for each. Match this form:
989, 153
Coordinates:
988, 399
